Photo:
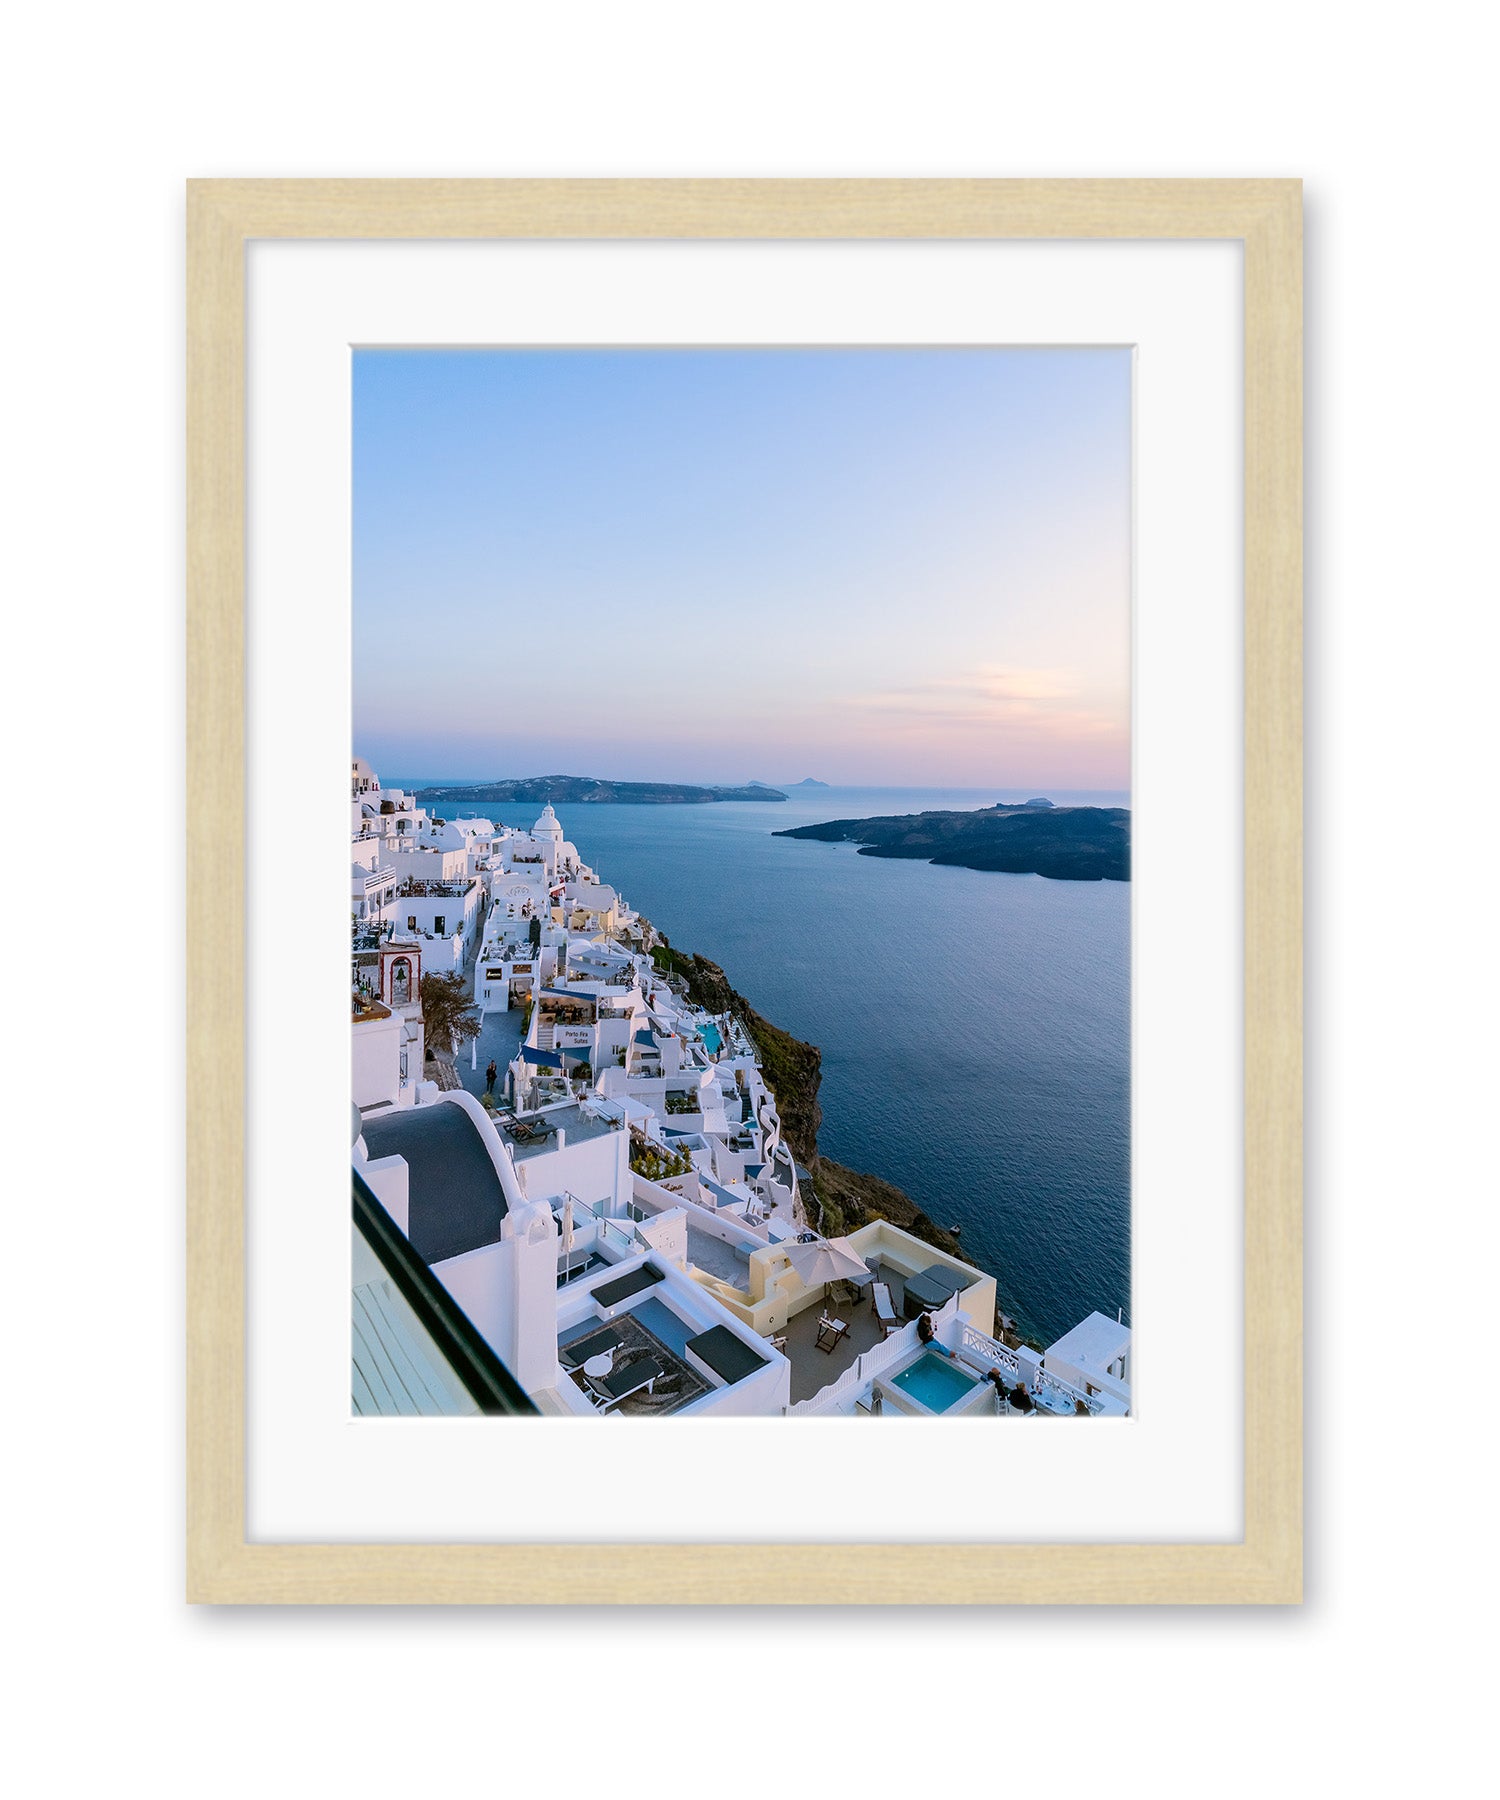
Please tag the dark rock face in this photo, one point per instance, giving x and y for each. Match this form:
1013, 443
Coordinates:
1064, 843
586, 790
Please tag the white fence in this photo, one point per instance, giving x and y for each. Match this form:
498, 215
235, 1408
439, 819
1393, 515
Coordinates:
984, 1348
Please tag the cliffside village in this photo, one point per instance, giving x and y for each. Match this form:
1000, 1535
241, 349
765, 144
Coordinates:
589, 1208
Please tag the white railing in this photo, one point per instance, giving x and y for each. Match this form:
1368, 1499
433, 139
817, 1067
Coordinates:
986, 1349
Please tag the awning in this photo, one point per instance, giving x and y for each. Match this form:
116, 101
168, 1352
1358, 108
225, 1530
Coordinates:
544, 1059
581, 1053
645, 1040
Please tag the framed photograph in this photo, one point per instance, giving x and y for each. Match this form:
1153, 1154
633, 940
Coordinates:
779, 1079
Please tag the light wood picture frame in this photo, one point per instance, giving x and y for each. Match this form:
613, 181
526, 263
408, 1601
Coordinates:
1265, 217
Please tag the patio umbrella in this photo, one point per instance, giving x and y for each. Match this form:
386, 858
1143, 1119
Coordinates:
825, 1260
567, 1233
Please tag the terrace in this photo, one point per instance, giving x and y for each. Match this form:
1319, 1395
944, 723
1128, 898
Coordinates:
646, 1317
576, 1125
716, 1258
415, 888
651, 1330
813, 1369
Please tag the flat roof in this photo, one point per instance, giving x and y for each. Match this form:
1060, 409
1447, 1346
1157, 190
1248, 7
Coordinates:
1093, 1343
455, 1201
578, 1126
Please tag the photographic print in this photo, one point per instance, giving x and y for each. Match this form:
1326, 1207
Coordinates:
740, 883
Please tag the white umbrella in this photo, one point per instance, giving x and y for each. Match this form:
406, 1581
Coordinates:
825, 1260
567, 1232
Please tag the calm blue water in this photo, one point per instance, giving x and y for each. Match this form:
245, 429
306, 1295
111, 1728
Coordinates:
975, 1028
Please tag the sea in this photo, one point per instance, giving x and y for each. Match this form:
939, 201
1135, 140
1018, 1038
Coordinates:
975, 1027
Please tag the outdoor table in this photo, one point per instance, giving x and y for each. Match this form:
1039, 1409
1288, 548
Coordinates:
599, 1366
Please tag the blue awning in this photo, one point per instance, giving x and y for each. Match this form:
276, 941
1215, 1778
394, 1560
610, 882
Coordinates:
645, 1039
581, 1054
544, 1059
753, 1169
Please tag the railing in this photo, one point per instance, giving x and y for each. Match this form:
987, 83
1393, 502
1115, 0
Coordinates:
987, 1349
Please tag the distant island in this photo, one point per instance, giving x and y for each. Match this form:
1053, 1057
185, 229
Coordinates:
1064, 843
810, 781
589, 790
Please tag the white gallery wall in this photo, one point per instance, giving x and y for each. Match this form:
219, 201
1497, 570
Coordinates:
108, 111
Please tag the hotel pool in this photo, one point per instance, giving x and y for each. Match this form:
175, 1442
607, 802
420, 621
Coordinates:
935, 1382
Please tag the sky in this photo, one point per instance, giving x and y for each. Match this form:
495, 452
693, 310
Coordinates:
903, 567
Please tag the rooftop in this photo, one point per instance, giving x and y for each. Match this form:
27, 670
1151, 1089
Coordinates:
455, 1202
812, 1368
1093, 1343
715, 1257
577, 1125
652, 1330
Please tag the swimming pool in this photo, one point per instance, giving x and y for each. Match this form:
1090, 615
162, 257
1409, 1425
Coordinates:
710, 1036
934, 1382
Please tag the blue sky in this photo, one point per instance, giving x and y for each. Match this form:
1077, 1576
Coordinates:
873, 566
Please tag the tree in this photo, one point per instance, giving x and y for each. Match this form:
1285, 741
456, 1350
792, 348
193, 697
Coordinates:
448, 1018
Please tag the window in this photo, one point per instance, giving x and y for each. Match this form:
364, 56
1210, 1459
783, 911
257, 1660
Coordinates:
411, 921
437, 925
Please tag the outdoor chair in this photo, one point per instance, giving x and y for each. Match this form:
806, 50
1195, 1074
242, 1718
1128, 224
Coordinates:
830, 1332
608, 1391
884, 1308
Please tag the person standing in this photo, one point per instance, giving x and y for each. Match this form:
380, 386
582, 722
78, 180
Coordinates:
489, 1077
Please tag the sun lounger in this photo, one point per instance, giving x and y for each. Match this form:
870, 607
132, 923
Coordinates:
582, 1350
884, 1308
608, 1391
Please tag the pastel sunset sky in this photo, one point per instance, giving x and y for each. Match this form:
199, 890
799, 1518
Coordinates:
879, 567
